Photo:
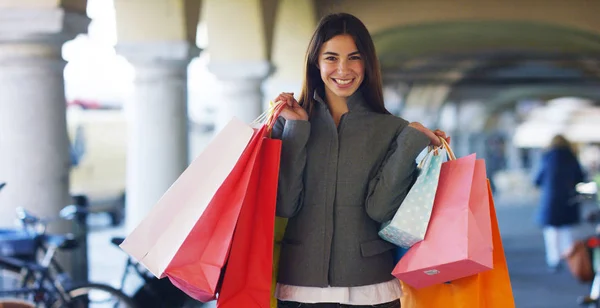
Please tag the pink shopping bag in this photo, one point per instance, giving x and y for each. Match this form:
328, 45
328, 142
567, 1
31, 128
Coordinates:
458, 242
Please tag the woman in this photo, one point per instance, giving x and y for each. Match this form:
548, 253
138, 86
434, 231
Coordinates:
346, 166
557, 176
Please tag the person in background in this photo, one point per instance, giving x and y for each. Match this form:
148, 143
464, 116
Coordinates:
558, 211
346, 166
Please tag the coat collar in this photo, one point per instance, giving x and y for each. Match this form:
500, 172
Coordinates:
356, 102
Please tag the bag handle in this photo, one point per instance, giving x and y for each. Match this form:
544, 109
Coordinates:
274, 114
433, 150
446, 146
269, 117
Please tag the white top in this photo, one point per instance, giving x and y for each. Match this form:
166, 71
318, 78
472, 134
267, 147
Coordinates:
373, 294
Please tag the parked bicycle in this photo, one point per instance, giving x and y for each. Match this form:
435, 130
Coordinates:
587, 262
154, 292
24, 274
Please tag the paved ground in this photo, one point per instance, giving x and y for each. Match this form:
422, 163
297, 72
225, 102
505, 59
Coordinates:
533, 286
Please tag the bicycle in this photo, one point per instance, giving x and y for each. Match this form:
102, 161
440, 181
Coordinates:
154, 292
42, 281
588, 192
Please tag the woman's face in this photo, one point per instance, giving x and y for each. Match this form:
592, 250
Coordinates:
341, 65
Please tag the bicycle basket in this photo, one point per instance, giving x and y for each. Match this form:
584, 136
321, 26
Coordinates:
17, 244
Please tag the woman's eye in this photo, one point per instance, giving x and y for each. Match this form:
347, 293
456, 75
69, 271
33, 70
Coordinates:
330, 58
355, 58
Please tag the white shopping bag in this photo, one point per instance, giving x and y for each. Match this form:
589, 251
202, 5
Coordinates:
158, 237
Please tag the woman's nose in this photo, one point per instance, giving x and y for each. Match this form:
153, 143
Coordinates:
342, 66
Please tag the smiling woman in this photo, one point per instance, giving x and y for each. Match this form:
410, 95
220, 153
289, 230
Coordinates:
342, 48
343, 72
346, 166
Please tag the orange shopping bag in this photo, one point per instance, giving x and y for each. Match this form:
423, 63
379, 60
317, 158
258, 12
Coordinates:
490, 289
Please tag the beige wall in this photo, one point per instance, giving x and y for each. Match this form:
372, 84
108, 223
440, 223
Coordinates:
144, 20
72, 5
29, 3
235, 30
296, 21
385, 14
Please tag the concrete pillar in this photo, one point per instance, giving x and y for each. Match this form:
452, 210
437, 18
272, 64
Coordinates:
508, 124
157, 122
470, 118
423, 103
239, 59
241, 86
295, 22
394, 94
34, 146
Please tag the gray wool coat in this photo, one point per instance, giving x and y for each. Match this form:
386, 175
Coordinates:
336, 186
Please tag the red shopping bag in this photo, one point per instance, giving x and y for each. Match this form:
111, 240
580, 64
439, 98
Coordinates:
247, 279
156, 240
196, 267
458, 242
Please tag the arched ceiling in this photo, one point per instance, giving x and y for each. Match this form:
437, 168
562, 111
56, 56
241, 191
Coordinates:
508, 98
439, 46
512, 60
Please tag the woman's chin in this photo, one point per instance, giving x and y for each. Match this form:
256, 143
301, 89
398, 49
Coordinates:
342, 92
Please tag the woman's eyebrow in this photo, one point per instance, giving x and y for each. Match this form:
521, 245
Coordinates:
331, 53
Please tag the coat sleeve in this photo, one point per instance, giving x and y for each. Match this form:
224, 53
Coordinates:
392, 182
538, 177
294, 137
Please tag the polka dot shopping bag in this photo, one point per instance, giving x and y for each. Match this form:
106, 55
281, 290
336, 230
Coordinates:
410, 222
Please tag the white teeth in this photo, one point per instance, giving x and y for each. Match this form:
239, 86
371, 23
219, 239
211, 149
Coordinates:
343, 81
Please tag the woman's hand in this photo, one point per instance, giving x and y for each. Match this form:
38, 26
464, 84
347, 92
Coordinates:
434, 136
292, 110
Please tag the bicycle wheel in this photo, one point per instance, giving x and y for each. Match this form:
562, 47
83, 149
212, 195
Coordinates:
94, 295
11, 279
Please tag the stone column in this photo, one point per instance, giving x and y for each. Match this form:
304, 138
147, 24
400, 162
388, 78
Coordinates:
34, 145
241, 86
508, 124
294, 24
157, 122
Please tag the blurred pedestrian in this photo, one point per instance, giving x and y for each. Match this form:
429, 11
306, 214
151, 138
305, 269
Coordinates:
558, 210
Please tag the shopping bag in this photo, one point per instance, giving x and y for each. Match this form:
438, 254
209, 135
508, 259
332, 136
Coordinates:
197, 269
247, 279
187, 234
197, 266
410, 222
458, 242
490, 289
158, 237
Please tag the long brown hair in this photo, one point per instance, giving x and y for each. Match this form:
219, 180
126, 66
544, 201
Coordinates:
561, 142
330, 26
